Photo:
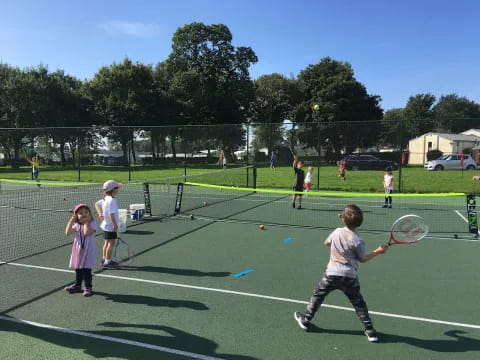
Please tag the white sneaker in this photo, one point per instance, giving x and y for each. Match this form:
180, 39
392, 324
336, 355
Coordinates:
301, 320
371, 335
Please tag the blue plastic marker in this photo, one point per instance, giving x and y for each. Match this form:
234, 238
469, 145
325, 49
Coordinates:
240, 274
287, 240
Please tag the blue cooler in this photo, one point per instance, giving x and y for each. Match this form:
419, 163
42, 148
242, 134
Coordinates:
137, 211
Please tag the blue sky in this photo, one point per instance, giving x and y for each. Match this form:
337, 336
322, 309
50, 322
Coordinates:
397, 48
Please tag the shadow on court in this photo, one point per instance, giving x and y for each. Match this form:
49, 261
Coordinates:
139, 232
175, 338
167, 337
176, 271
454, 341
152, 301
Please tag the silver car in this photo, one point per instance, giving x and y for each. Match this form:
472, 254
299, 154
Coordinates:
451, 162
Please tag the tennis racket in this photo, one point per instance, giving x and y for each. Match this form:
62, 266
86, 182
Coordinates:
407, 229
123, 254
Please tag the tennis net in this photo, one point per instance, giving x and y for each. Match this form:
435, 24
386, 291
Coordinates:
33, 215
444, 213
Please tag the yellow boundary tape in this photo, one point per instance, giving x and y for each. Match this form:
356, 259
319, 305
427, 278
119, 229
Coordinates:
321, 193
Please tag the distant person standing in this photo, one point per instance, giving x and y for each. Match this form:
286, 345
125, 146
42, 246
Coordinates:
308, 179
341, 169
298, 183
388, 187
273, 161
35, 162
224, 160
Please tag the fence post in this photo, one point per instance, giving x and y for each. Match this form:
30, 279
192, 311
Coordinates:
79, 160
129, 151
319, 156
400, 166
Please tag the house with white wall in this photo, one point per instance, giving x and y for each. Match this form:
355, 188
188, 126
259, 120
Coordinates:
443, 142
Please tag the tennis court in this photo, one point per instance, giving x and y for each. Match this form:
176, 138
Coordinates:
180, 297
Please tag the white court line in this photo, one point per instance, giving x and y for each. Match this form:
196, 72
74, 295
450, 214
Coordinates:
224, 291
463, 217
110, 338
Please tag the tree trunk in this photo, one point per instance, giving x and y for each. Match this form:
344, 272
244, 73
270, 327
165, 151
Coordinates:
132, 149
152, 144
16, 158
172, 144
62, 154
125, 150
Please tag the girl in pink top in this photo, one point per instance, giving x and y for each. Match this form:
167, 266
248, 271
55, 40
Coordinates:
84, 252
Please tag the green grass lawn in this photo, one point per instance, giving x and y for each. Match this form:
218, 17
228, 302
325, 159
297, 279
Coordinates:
414, 179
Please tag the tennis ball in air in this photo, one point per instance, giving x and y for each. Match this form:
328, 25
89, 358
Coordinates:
262, 227
316, 107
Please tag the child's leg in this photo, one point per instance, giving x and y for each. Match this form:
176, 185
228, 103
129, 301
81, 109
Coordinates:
78, 277
109, 249
300, 201
104, 249
352, 291
294, 197
390, 197
75, 288
325, 286
87, 277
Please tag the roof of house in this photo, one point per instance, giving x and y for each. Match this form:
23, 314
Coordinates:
466, 131
453, 137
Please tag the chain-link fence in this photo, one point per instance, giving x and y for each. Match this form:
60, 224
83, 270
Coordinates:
363, 149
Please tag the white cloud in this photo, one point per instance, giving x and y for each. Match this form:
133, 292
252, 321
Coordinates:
137, 29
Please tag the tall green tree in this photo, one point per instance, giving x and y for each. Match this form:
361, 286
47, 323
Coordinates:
419, 114
23, 104
124, 96
272, 105
70, 114
210, 78
455, 113
394, 132
344, 106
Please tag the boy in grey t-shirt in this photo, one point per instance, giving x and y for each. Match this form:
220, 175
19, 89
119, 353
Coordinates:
346, 250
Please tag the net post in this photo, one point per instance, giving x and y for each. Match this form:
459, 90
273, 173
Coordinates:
146, 198
472, 214
254, 185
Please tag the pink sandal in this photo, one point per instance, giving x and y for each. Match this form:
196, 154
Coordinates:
73, 289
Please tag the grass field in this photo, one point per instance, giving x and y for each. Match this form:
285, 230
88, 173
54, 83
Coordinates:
414, 179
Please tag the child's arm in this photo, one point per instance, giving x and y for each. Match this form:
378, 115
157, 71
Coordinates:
114, 222
87, 228
294, 161
98, 208
68, 229
377, 251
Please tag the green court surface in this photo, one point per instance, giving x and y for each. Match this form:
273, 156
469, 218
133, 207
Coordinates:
179, 298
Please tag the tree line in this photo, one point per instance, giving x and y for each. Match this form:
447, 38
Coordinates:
205, 81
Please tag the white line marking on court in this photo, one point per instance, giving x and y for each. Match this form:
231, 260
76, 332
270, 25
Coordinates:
110, 338
224, 291
463, 217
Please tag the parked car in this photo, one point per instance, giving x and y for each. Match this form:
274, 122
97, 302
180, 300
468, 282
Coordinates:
451, 162
368, 162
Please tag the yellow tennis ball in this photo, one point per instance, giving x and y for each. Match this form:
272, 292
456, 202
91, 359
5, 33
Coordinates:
316, 107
